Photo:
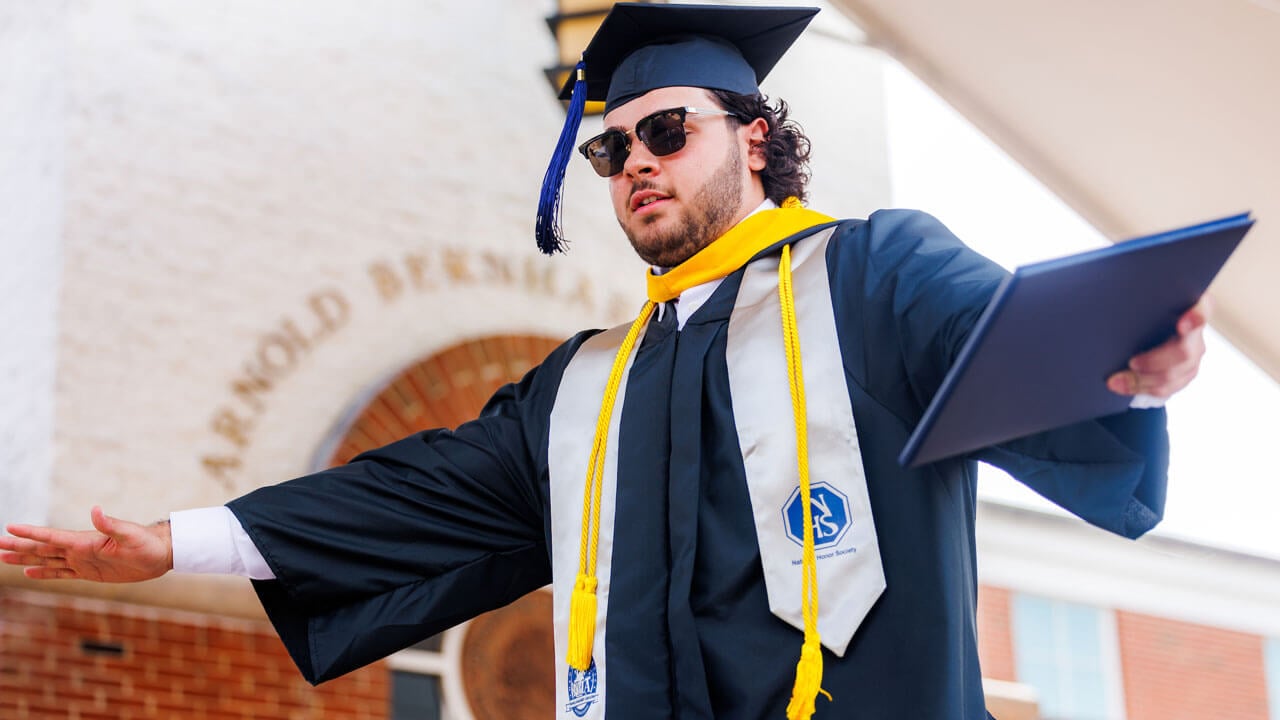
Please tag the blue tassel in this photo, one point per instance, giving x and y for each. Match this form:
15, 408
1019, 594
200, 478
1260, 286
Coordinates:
547, 230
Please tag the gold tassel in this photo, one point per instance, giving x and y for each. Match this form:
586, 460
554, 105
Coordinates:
804, 696
582, 622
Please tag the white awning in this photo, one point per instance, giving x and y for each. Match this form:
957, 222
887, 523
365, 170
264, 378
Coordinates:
1142, 116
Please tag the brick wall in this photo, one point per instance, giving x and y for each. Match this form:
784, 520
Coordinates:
1171, 670
1180, 671
85, 659
67, 657
995, 635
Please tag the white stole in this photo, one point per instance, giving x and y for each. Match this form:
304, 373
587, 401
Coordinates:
850, 577
573, 422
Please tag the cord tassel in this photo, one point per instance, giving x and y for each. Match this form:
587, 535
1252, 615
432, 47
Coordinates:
804, 696
547, 230
582, 622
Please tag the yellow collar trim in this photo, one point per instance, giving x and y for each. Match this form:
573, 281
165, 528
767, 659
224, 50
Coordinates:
733, 249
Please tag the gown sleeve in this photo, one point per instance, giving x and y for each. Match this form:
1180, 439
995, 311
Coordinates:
925, 289
412, 538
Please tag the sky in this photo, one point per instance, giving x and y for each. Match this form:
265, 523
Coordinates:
1223, 489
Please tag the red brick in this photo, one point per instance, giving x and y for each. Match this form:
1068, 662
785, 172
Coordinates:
995, 634
206, 668
1180, 671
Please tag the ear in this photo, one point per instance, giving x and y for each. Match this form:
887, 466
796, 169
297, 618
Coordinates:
757, 134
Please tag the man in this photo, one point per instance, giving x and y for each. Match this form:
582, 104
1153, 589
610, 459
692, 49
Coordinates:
750, 455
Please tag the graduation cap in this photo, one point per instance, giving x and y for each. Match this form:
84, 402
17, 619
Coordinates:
641, 47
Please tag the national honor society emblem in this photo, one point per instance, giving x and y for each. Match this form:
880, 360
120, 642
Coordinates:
830, 515
582, 689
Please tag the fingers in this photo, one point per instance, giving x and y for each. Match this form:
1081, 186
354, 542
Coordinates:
25, 552
1171, 366
39, 560
1160, 384
12, 544
1174, 355
1160, 381
42, 541
32, 559
46, 552
46, 573
17, 550
30, 532
32, 548
1197, 317
106, 525
114, 551
1124, 382
123, 532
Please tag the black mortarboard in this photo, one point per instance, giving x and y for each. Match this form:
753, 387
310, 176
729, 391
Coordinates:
641, 47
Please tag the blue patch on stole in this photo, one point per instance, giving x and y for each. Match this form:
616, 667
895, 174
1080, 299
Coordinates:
582, 689
830, 515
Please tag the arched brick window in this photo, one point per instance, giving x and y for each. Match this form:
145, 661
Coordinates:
499, 665
442, 391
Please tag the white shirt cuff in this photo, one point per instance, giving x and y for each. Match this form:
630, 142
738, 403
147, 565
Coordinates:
211, 540
1146, 402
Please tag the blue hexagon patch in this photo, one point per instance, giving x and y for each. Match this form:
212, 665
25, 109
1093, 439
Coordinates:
830, 515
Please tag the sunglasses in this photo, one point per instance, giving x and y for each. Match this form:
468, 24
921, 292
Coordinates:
662, 133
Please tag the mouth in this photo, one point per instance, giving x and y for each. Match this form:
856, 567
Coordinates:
644, 200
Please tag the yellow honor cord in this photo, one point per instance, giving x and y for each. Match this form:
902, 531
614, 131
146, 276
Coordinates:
722, 257
583, 606
804, 695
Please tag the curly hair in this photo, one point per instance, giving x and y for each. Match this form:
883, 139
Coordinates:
786, 172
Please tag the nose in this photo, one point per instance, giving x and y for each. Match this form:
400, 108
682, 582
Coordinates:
639, 161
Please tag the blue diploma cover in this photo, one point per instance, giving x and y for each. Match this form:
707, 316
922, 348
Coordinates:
1039, 356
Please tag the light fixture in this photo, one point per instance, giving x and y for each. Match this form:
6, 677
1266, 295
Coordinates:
573, 26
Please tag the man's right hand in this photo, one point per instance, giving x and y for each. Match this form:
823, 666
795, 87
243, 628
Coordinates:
117, 551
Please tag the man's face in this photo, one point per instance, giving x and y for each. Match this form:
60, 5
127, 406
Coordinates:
671, 207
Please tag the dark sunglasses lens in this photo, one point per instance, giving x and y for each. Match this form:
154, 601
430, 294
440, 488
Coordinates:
607, 153
662, 132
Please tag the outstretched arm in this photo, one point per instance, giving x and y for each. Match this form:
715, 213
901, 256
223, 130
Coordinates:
116, 551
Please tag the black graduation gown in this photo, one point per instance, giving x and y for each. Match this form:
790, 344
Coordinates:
422, 534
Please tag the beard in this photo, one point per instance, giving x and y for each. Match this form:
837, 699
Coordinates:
711, 213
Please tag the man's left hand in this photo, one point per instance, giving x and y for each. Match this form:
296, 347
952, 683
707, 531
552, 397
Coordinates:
1169, 367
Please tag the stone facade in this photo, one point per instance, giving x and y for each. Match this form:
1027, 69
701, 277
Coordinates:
247, 214
33, 75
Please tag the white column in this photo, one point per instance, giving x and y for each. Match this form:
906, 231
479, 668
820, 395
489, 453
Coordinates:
32, 139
